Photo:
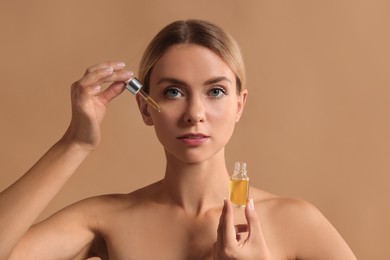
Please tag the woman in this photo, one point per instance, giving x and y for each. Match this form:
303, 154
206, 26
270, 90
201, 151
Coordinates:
195, 73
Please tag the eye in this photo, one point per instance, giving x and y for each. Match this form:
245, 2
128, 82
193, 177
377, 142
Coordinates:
173, 93
217, 92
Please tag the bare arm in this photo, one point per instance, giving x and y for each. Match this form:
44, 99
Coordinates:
312, 234
68, 234
23, 201
320, 240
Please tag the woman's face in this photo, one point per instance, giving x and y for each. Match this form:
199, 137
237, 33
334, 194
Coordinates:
196, 91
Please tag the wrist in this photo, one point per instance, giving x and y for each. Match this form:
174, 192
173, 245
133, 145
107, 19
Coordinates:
71, 141
74, 147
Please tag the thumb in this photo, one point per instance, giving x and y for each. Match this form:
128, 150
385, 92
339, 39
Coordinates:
254, 225
111, 92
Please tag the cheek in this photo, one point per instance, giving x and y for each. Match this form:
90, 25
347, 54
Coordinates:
171, 109
224, 113
165, 122
223, 122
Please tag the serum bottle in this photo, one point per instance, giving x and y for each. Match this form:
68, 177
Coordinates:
239, 185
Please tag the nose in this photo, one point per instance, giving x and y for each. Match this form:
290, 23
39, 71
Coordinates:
195, 111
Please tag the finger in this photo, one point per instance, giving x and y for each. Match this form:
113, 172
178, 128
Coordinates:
121, 75
104, 75
254, 225
116, 65
220, 230
114, 90
229, 229
94, 78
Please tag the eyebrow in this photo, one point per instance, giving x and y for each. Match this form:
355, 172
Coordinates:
181, 82
171, 80
217, 79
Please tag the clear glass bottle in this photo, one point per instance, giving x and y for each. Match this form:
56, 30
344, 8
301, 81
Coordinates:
239, 185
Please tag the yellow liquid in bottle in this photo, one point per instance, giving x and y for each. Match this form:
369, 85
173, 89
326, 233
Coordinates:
238, 194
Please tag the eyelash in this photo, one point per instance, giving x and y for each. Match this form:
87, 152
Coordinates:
169, 90
219, 89
178, 91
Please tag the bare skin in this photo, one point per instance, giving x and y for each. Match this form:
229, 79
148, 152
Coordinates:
183, 216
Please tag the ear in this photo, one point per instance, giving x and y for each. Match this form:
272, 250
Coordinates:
241, 100
143, 108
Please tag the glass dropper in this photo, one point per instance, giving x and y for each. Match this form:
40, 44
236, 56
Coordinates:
135, 87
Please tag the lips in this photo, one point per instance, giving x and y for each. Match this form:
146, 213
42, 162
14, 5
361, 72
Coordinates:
193, 139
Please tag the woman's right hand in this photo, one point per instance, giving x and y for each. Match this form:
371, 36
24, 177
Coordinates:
89, 103
23, 201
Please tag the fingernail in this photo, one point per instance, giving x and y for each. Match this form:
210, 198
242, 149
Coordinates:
109, 69
251, 204
120, 64
128, 73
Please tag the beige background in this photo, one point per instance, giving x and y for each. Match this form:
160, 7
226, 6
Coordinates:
316, 125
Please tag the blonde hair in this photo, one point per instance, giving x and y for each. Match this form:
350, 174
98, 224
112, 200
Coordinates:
197, 32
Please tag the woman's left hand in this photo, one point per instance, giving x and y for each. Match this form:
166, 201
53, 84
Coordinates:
229, 244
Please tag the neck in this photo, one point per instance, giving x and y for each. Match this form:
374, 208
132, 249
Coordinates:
196, 187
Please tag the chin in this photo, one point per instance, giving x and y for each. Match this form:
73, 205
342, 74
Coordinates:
194, 156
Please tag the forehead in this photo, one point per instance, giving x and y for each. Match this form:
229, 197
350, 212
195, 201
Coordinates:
190, 62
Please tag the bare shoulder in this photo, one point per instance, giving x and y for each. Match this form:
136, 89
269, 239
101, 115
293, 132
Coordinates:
286, 212
287, 208
302, 225
71, 233
119, 201
103, 207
